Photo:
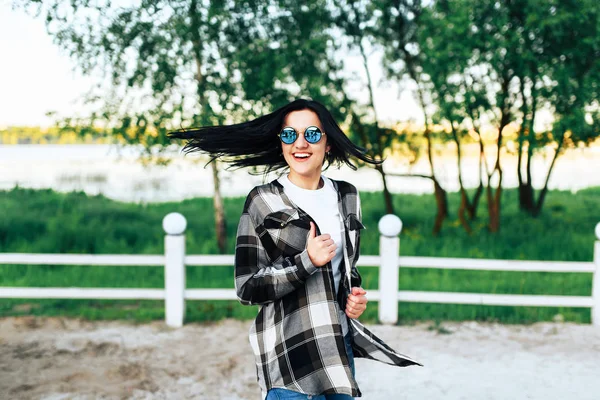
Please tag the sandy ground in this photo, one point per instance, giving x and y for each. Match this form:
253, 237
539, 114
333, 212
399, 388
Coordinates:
53, 358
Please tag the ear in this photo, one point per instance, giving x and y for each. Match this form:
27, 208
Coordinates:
327, 148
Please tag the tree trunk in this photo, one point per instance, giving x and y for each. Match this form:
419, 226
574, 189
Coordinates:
524, 204
440, 194
472, 209
494, 209
525, 188
482, 164
494, 199
220, 226
441, 200
389, 205
538, 207
219, 210
464, 197
526, 191
462, 209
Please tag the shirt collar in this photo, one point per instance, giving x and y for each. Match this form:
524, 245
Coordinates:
279, 190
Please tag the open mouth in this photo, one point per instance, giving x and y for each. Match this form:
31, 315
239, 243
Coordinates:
301, 156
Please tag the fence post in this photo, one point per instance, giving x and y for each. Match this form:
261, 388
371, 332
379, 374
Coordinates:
174, 225
389, 249
596, 281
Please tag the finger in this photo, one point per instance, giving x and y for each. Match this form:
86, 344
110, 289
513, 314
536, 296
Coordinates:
358, 291
356, 308
357, 302
360, 306
359, 299
313, 231
354, 299
327, 243
325, 236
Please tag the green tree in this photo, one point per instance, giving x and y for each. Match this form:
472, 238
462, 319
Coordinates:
558, 68
512, 59
355, 22
455, 90
166, 64
306, 43
295, 56
397, 31
466, 69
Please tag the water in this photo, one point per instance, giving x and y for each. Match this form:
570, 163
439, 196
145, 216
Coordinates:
116, 173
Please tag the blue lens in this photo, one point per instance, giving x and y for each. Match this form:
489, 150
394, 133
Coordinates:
312, 134
288, 135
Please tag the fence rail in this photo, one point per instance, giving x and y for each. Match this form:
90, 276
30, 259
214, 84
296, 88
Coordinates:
389, 262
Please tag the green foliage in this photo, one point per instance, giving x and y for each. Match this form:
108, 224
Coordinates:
475, 62
169, 64
43, 221
37, 135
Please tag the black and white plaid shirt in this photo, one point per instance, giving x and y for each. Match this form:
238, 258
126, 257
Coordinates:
296, 337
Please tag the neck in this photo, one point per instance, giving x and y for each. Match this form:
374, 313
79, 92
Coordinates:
306, 182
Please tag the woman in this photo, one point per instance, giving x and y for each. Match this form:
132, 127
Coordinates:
297, 246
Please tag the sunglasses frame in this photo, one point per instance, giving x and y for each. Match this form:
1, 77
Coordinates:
304, 133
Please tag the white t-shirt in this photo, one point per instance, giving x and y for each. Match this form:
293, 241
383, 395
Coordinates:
322, 205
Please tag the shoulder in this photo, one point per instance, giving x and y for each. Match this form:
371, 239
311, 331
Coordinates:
349, 195
262, 200
258, 195
345, 188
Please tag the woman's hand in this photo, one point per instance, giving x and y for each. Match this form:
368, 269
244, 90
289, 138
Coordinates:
321, 249
357, 303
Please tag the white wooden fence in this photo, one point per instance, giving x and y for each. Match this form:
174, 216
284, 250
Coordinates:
175, 259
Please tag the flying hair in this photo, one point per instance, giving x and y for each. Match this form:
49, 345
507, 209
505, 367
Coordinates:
255, 143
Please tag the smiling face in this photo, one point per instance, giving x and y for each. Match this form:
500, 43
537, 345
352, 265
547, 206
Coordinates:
304, 159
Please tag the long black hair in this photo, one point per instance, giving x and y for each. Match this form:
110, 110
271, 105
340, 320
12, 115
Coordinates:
256, 144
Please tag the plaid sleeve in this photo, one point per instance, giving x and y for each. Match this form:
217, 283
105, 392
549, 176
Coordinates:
259, 281
355, 278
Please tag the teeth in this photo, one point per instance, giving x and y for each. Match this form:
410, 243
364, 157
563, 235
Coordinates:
302, 155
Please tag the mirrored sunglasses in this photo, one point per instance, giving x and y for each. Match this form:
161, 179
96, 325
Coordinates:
312, 135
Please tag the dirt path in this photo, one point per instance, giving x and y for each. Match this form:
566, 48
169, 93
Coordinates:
53, 358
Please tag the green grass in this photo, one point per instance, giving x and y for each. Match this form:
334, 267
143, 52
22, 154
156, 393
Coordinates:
44, 221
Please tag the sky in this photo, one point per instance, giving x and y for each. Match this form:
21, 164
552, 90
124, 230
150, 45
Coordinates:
34, 76
37, 77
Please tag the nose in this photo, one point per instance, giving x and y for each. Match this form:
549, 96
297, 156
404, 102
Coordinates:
301, 142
